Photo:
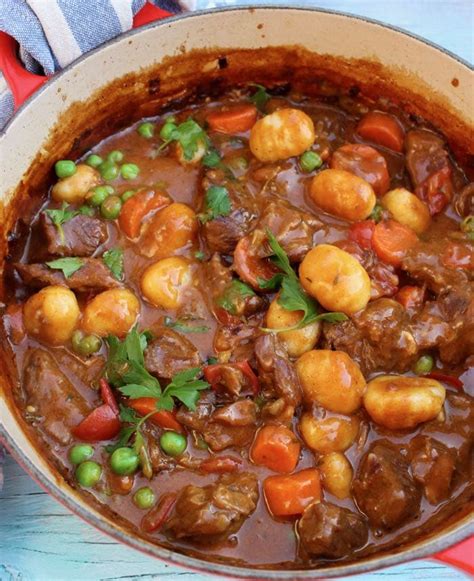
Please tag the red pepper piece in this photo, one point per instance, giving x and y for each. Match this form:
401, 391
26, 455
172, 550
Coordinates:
155, 519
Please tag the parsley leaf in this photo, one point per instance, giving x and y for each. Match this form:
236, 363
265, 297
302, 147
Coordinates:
185, 387
60, 216
189, 135
68, 265
113, 259
135, 391
87, 211
217, 204
260, 97
292, 296
234, 295
183, 327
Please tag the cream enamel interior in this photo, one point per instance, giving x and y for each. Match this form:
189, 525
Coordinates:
321, 32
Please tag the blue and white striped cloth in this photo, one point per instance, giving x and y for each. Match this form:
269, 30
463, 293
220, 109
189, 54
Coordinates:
53, 33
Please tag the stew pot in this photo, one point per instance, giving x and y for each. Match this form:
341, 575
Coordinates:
138, 73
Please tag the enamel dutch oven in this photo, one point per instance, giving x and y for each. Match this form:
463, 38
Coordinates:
163, 62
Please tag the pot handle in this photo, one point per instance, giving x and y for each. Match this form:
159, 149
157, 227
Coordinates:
460, 556
23, 83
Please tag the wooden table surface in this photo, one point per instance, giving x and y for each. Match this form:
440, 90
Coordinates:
41, 541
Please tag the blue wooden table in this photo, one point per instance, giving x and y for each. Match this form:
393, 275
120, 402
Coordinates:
41, 541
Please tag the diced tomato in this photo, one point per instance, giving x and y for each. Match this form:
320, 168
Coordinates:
289, 495
363, 161
234, 119
107, 395
249, 267
101, 424
157, 516
163, 418
362, 233
277, 448
392, 240
137, 207
436, 190
458, 255
225, 317
411, 297
220, 465
450, 379
213, 374
382, 129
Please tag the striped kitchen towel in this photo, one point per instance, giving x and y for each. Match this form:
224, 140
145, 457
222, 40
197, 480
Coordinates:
53, 33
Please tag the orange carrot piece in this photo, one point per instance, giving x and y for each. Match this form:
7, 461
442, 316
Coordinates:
137, 207
290, 495
235, 119
277, 448
391, 241
382, 129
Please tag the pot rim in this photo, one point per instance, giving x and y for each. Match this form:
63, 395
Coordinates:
456, 532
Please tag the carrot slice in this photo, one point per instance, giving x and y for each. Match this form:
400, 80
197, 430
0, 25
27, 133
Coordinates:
277, 448
290, 495
382, 129
137, 207
162, 418
234, 119
391, 241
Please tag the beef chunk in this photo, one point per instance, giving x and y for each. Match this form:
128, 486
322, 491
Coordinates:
229, 426
426, 154
170, 353
330, 531
432, 466
223, 233
379, 337
92, 276
276, 373
229, 380
238, 340
383, 488
211, 513
293, 228
424, 263
58, 404
82, 235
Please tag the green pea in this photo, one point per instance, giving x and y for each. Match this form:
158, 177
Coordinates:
167, 130
211, 159
90, 344
144, 497
110, 207
172, 443
146, 130
239, 163
424, 365
80, 453
65, 168
129, 171
108, 170
88, 473
376, 214
94, 160
76, 339
115, 156
310, 161
124, 461
98, 194
127, 195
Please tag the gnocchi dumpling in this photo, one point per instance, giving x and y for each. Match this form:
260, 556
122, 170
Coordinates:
329, 434
112, 312
398, 402
164, 283
73, 189
282, 134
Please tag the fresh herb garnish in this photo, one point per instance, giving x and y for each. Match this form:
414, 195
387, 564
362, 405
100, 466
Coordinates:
292, 296
377, 213
190, 135
233, 295
126, 370
217, 204
260, 97
183, 327
60, 216
113, 259
87, 211
199, 255
68, 265
467, 226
